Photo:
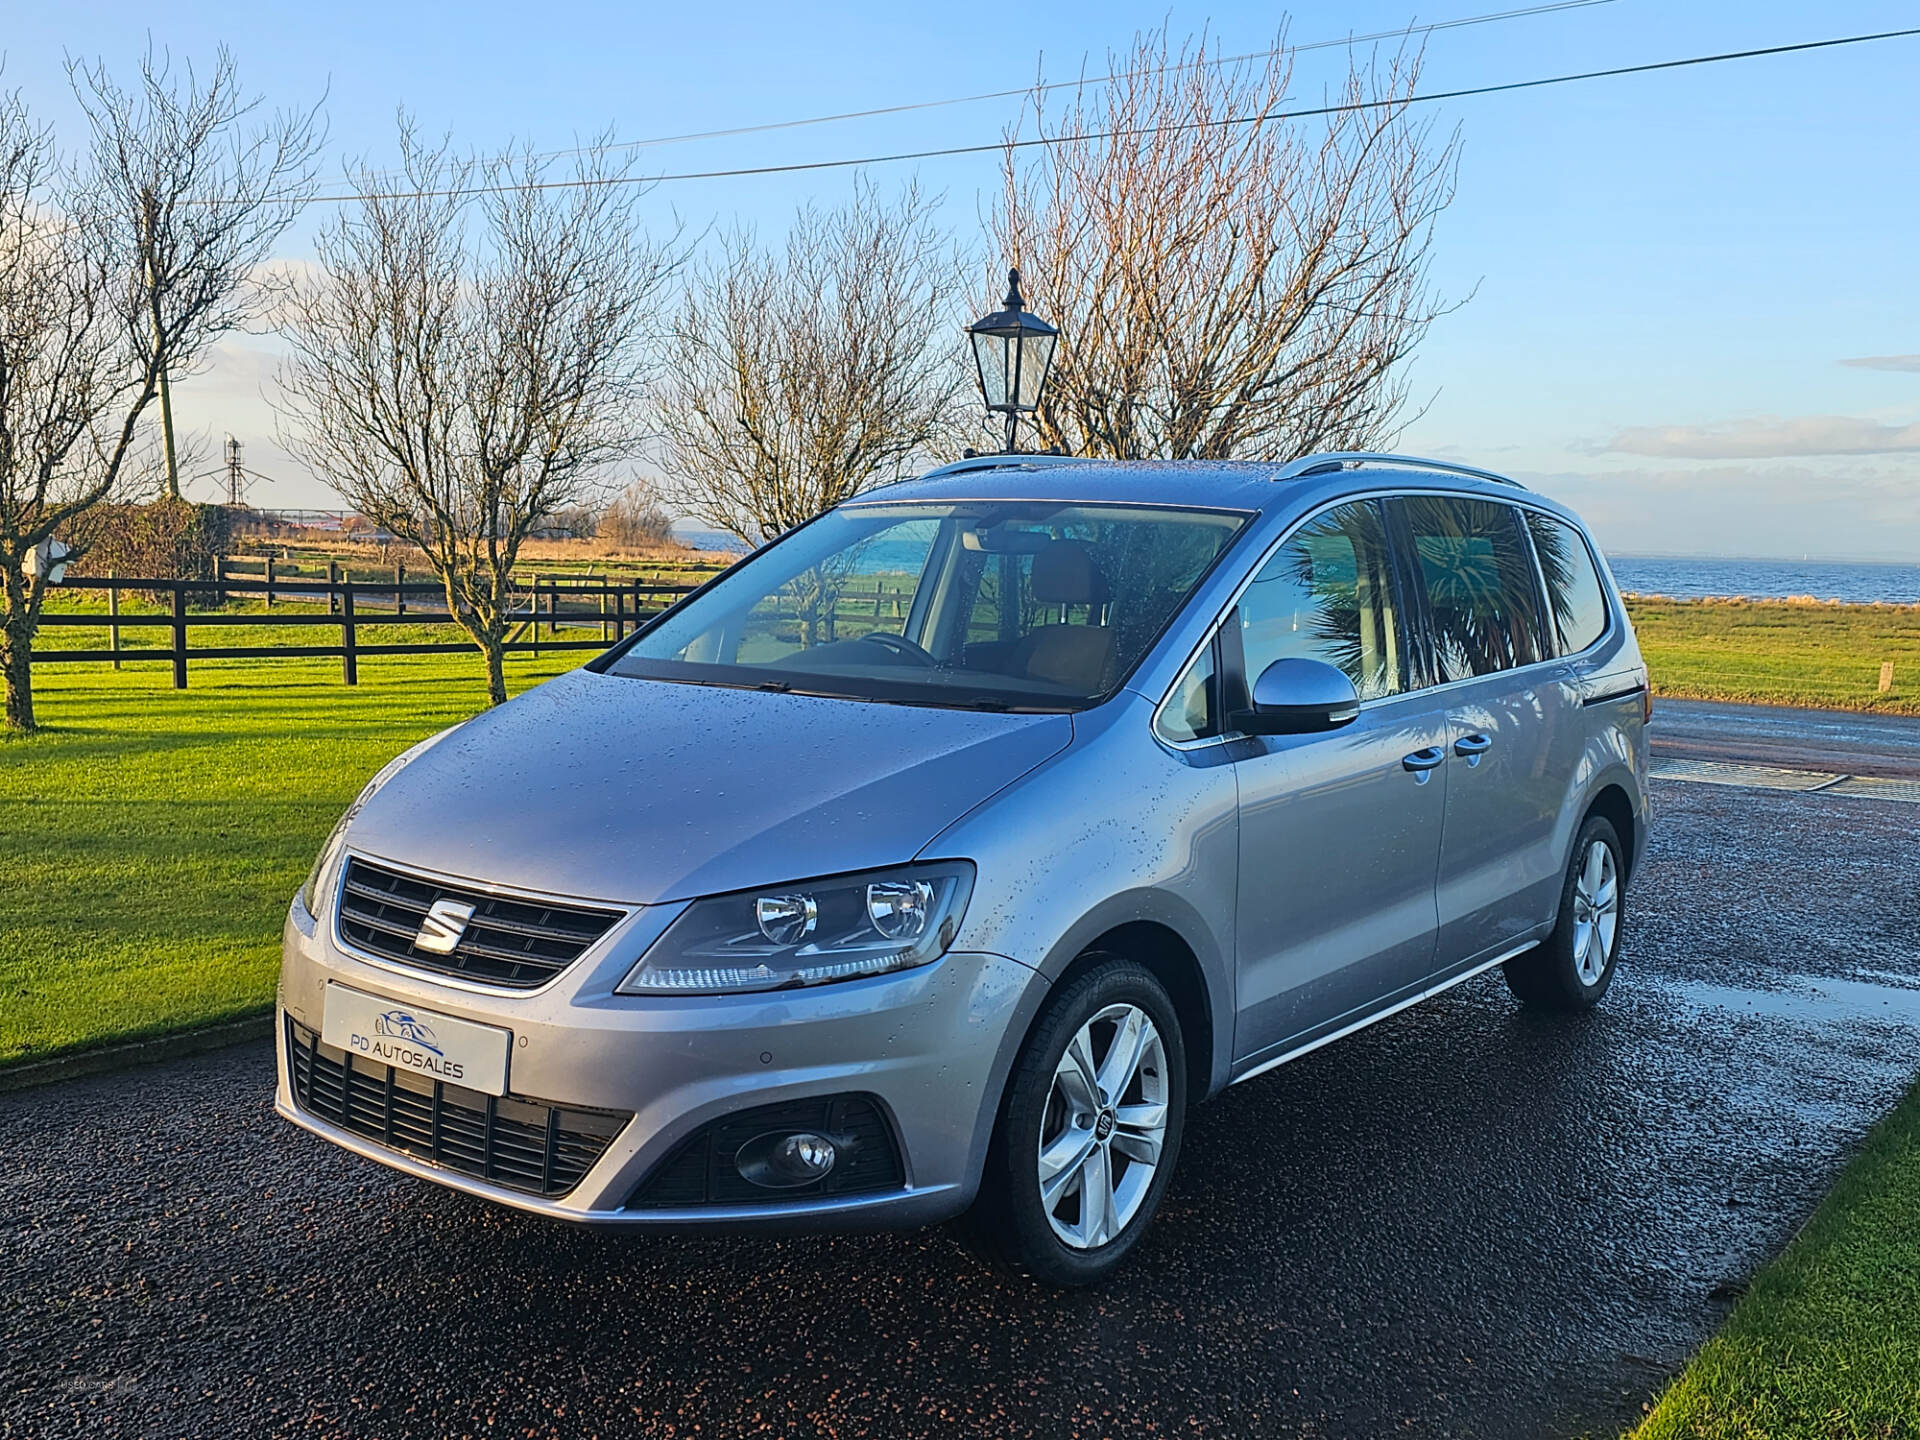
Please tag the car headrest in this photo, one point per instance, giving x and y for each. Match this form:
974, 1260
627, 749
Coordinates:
1064, 574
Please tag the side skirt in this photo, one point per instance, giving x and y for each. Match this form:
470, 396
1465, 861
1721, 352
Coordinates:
1378, 1015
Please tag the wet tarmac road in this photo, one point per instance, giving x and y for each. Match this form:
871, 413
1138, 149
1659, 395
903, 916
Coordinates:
1466, 1221
1834, 740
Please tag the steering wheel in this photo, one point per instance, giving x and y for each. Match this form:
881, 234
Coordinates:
900, 645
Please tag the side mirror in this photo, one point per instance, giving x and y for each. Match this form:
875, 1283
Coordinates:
1298, 697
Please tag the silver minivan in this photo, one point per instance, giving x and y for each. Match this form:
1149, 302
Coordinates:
934, 859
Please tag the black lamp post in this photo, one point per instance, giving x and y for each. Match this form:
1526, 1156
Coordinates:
1013, 350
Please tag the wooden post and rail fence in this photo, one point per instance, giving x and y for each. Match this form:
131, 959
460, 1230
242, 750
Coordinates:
610, 608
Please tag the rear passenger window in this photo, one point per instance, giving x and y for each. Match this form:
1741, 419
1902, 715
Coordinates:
1482, 596
1327, 594
1574, 591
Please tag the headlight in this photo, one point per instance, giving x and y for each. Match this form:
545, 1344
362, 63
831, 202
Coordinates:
808, 933
320, 878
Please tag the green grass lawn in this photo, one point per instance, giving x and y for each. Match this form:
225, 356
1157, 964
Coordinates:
1825, 1345
151, 838
1782, 654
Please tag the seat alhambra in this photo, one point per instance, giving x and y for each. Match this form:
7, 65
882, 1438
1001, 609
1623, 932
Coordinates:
937, 858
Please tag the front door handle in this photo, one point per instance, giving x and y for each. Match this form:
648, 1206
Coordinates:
1473, 747
1421, 761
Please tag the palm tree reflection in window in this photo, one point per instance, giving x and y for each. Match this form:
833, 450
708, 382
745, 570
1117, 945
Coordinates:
1479, 581
1553, 545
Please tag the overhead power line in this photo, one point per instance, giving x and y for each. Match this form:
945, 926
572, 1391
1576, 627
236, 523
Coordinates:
1045, 87
1001, 146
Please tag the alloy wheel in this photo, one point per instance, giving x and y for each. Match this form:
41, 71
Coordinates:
1596, 912
1104, 1127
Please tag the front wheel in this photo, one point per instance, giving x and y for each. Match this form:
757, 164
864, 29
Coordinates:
1572, 968
1089, 1130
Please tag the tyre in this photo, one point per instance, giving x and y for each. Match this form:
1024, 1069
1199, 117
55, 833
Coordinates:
1089, 1130
1572, 967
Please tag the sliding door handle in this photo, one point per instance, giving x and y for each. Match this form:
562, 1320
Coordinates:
1421, 761
1473, 747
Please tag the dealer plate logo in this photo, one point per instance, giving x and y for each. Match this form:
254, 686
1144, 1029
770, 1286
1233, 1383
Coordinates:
404, 1025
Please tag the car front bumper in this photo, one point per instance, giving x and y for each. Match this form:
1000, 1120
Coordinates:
931, 1044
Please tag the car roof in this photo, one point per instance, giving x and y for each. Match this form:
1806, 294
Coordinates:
1248, 485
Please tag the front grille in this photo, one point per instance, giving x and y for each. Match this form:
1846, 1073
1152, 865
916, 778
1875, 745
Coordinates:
701, 1170
520, 1144
514, 943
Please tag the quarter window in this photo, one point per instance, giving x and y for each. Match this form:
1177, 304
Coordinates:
1327, 594
1483, 609
1189, 711
1578, 599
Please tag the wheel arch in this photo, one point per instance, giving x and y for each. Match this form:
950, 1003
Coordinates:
1612, 803
1160, 950
1175, 948
1162, 931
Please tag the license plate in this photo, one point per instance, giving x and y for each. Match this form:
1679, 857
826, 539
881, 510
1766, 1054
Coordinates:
433, 1046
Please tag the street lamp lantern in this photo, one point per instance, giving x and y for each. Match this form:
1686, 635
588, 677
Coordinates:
1013, 350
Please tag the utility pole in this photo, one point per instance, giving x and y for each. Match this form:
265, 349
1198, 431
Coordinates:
150, 227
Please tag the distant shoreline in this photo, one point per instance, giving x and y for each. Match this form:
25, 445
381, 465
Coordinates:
1703, 577
1687, 557
1785, 602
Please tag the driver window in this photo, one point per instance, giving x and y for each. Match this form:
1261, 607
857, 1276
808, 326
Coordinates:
1327, 594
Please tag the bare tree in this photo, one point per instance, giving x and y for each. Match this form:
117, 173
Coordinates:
1228, 282
193, 198
636, 519
802, 376
471, 358
100, 298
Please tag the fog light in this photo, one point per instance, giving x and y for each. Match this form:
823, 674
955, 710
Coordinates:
805, 1156
782, 1159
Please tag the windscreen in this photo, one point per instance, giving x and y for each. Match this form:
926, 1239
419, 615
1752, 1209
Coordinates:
984, 604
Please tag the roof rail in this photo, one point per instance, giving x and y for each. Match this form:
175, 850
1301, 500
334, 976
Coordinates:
1327, 462
1013, 461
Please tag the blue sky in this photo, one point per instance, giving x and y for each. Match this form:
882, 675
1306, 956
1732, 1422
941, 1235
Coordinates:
1669, 273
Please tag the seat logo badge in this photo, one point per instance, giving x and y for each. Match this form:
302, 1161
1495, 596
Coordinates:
446, 922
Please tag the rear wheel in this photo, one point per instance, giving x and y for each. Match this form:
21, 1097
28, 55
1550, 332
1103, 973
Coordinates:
1572, 968
1089, 1130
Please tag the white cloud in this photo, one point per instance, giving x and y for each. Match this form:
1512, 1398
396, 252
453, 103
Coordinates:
1767, 438
237, 366
1906, 364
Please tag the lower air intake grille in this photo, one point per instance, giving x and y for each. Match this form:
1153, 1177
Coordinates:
520, 1144
701, 1170
514, 943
